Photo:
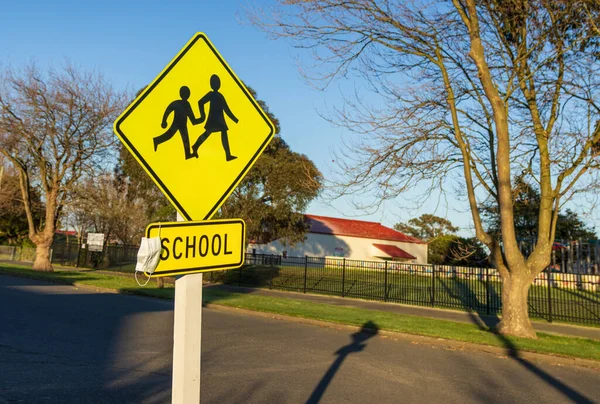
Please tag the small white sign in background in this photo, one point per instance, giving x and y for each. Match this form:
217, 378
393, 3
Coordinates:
95, 241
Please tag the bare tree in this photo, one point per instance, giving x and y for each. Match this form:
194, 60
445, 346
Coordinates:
472, 90
13, 223
55, 128
78, 217
109, 208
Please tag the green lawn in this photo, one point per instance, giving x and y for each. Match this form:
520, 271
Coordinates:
551, 344
127, 268
474, 294
91, 278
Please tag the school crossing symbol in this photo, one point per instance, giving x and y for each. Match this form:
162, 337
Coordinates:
196, 130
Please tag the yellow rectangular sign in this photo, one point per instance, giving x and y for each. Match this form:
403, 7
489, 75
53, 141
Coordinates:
190, 247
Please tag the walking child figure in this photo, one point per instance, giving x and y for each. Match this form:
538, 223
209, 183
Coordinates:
216, 117
183, 112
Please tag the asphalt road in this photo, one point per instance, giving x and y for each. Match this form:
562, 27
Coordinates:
59, 344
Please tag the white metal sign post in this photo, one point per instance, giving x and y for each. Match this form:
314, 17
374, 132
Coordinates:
187, 338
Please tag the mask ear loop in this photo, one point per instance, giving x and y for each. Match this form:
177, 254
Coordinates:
148, 274
138, 282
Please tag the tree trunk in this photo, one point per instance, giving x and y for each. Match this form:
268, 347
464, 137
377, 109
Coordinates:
42, 258
515, 316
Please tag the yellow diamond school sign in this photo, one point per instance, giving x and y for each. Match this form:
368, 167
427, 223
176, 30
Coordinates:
196, 130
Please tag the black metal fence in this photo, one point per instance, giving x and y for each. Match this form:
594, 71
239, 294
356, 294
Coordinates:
553, 296
73, 254
109, 256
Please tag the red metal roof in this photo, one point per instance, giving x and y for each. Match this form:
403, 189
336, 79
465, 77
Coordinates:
67, 232
394, 251
356, 228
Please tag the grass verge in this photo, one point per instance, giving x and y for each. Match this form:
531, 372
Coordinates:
546, 343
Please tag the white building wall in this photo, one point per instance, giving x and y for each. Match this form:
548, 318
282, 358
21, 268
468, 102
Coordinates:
324, 245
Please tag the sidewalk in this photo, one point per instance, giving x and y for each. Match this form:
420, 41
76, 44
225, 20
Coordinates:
442, 314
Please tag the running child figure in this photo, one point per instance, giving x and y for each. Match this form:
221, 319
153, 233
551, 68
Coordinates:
183, 111
216, 117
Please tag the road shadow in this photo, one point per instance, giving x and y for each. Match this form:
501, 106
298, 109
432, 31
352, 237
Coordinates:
368, 330
77, 346
471, 301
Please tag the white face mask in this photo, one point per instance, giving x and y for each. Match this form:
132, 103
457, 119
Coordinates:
148, 257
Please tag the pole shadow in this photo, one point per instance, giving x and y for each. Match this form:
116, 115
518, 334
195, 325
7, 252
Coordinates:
470, 300
368, 330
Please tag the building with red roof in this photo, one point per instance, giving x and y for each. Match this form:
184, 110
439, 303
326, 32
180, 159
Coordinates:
348, 238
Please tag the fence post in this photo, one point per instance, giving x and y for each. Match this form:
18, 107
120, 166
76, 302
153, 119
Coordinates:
432, 285
13, 254
385, 283
343, 277
305, 271
272, 269
487, 290
240, 276
123, 255
549, 296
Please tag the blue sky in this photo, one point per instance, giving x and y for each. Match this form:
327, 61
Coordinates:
132, 41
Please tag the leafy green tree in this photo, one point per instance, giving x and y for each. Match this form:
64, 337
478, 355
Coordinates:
444, 246
427, 227
527, 200
129, 174
450, 249
571, 227
275, 193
